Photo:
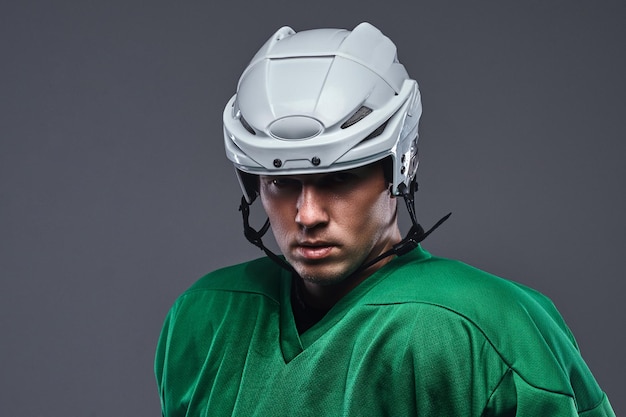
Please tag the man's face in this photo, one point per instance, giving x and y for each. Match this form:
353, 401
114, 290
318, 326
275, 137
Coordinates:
327, 225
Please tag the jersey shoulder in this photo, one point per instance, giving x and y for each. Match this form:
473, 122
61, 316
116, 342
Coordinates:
259, 276
458, 287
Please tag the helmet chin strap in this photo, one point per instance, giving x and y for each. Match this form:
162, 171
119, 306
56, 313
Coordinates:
255, 236
415, 235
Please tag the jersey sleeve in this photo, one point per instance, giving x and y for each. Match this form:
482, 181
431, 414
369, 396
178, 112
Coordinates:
516, 397
161, 357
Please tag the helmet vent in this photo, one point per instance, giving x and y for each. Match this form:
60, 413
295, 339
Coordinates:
357, 117
246, 125
379, 130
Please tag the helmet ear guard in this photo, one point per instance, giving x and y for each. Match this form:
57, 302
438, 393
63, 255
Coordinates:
249, 185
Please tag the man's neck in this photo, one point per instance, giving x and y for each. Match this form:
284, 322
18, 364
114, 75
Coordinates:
324, 297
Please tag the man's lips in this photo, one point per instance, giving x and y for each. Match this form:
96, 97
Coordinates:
314, 250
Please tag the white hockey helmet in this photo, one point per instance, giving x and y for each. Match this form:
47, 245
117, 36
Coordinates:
323, 100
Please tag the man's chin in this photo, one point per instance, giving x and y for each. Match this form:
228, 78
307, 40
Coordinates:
322, 275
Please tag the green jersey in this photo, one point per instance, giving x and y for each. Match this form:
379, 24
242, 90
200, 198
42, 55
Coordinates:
422, 336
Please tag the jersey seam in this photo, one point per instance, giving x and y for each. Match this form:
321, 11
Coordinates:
192, 291
493, 392
602, 400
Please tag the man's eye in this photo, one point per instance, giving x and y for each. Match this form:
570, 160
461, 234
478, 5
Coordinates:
284, 182
341, 177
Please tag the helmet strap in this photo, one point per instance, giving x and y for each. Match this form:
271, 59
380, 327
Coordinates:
255, 236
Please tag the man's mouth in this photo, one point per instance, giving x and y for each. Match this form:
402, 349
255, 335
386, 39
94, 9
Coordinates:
314, 250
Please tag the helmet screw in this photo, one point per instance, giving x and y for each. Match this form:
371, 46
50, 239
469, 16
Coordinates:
278, 163
402, 169
315, 161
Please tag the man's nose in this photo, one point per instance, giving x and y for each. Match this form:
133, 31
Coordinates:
311, 208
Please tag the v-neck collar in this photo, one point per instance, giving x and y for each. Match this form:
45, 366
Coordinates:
293, 344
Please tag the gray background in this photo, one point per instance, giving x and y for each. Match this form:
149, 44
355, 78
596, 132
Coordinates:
115, 194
